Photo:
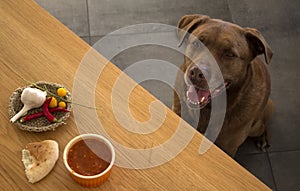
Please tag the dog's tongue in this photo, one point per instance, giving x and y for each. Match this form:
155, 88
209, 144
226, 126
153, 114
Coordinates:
196, 95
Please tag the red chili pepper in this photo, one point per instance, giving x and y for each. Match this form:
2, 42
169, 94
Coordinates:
30, 117
46, 111
58, 109
40, 114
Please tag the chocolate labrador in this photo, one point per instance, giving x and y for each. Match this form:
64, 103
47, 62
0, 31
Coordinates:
246, 79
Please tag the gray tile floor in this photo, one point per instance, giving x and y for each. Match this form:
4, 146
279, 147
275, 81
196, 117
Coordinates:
278, 20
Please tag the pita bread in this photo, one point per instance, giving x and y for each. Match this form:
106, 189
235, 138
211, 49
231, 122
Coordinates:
39, 159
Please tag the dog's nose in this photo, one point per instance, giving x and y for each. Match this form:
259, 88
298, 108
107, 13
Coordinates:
196, 74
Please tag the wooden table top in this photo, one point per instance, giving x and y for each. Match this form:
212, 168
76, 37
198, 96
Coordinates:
36, 47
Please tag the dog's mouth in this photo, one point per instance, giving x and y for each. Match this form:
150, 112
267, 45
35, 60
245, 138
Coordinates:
198, 98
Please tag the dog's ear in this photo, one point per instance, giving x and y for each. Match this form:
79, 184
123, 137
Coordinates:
187, 24
258, 44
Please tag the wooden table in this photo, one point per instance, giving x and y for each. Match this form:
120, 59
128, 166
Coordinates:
35, 46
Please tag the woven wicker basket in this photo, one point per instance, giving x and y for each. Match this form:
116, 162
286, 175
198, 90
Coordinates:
40, 124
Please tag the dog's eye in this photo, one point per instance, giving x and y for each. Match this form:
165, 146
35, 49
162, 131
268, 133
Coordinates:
201, 38
197, 44
230, 55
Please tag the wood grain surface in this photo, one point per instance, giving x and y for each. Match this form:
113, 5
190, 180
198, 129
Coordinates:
36, 47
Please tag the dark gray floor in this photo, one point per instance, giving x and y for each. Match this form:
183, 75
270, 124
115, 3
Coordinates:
278, 20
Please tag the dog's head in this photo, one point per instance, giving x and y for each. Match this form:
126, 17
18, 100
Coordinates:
231, 47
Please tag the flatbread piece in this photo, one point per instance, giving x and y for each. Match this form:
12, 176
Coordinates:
39, 159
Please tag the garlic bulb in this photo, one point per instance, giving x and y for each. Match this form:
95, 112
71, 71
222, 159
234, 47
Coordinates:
31, 98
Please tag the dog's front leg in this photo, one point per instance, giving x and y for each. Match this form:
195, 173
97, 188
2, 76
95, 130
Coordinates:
176, 104
179, 91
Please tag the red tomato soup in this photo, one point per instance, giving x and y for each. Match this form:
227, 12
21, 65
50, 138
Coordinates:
89, 157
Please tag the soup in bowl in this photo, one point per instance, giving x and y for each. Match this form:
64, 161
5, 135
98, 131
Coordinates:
89, 158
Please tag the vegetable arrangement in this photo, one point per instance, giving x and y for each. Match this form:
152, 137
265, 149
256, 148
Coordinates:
38, 119
35, 98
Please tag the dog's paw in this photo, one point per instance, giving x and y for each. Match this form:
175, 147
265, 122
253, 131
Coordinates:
262, 145
262, 142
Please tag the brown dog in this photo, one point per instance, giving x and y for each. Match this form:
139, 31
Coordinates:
246, 79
